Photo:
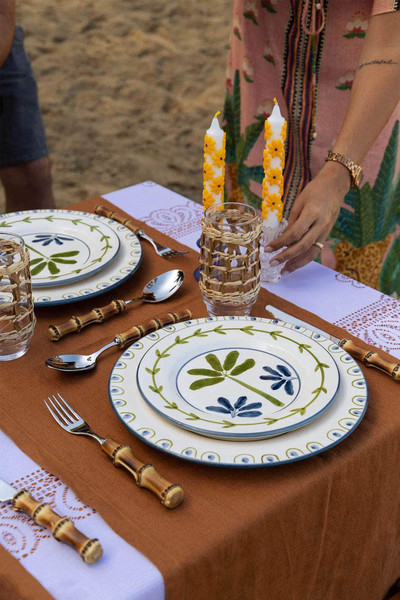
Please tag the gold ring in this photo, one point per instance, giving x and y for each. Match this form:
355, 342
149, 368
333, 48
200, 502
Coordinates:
319, 245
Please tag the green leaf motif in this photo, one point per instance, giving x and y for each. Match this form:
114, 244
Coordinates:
228, 424
245, 366
5, 224
231, 360
214, 362
300, 411
65, 254
201, 383
63, 261
302, 347
172, 405
320, 366
152, 371
39, 268
192, 417
204, 372
35, 261
54, 270
390, 274
251, 134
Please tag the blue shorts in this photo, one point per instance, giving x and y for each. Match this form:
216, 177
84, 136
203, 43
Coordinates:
22, 135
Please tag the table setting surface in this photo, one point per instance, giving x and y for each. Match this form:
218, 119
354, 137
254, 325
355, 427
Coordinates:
230, 520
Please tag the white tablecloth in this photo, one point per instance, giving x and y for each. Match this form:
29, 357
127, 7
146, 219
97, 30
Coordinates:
364, 312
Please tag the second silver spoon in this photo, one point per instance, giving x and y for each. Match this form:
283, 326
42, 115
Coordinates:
157, 290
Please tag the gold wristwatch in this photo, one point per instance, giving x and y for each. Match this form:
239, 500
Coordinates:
356, 172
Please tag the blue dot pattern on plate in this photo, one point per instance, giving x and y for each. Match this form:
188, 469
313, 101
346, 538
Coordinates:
189, 452
346, 358
314, 446
166, 444
244, 459
360, 383
269, 458
210, 456
354, 371
116, 390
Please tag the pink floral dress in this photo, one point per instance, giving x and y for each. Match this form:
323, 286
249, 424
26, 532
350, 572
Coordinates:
273, 54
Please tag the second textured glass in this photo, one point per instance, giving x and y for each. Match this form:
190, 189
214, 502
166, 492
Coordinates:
230, 259
17, 319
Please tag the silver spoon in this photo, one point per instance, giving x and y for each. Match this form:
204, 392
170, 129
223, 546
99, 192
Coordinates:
157, 290
81, 362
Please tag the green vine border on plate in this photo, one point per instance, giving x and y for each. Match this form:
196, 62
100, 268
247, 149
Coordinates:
248, 330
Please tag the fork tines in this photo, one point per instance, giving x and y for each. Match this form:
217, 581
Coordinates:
66, 414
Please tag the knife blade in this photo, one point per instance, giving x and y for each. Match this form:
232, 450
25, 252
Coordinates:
370, 358
42, 514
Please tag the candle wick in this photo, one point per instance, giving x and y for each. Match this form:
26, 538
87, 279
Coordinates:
217, 113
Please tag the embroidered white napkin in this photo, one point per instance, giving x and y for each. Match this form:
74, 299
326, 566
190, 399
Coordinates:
122, 573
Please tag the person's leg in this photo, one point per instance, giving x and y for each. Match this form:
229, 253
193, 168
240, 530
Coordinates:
24, 162
28, 185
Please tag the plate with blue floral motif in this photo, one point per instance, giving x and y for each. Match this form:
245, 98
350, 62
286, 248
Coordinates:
64, 246
238, 380
331, 428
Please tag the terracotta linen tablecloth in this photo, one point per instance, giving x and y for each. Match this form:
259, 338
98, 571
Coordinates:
324, 528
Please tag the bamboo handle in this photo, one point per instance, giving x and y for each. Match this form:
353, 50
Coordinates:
103, 211
371, 358
139, 331
63, 529
145, 475
97, 315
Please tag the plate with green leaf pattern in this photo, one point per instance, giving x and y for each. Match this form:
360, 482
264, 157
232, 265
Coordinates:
238, 380
64, 246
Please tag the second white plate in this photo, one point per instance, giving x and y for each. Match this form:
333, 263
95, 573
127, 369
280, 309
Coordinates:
237, 380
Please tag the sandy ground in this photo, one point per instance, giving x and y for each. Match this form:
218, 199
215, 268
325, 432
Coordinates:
127, 89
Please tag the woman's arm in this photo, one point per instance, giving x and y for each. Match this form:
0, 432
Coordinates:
374, 96
7, 27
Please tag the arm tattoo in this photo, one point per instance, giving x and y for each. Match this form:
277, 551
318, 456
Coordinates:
378, 62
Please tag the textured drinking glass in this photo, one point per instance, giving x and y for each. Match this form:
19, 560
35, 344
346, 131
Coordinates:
271, 274
17, 319
230, 259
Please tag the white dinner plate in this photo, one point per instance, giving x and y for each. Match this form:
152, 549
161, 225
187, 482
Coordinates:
64, 246
238, 380
334, 425
121, 268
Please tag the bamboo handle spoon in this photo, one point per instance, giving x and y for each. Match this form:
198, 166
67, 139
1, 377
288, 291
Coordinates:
77, 363
157, 290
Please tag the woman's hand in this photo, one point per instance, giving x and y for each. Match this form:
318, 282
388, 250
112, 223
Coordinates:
312, 217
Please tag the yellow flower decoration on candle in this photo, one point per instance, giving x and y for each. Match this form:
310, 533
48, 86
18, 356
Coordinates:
208, 199
208, 171
218, 158
274, 176
283, 132
276, 149
274, 205
267, 130
267, 160
217, 185
209, 145
272, 201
